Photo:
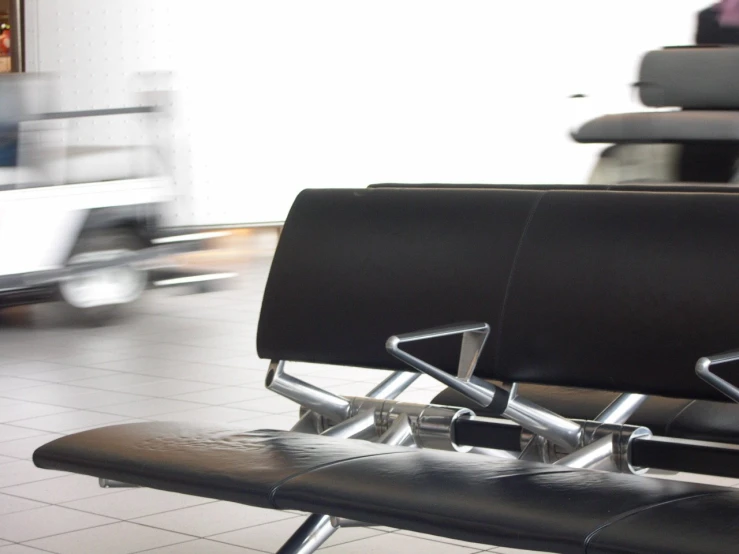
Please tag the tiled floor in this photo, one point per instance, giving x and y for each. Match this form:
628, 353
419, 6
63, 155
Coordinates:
176, 357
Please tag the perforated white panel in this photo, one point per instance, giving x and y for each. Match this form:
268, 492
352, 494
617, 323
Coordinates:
282, 95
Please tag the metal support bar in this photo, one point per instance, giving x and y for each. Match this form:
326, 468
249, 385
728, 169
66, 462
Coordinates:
703, 370
394, 385
112, 484
400, 433
474, 336
343, 522
318, 400
596, 455
390, 388
553, 427
622, 408
540, 421
310, 536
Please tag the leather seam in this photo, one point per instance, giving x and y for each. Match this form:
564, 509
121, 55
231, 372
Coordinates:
511, 273
677, 415
275, 488
592, 535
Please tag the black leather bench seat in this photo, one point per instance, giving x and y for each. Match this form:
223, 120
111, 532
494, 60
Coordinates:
464, 496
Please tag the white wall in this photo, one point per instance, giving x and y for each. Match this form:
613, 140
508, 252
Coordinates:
281, 95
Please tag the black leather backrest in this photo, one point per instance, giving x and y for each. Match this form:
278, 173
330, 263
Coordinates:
611, 290
631, 186
693, 78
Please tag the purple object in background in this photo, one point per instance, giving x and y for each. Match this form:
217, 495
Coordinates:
728, 13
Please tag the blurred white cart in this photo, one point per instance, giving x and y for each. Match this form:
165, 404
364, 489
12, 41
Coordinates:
82, 224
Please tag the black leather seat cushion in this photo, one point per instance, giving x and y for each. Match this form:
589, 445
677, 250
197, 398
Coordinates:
670, 417
661, 127
464, 496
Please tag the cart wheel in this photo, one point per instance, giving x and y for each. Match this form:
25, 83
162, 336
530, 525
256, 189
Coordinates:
99, 296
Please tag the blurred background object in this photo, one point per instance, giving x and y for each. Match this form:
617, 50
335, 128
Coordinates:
83, 222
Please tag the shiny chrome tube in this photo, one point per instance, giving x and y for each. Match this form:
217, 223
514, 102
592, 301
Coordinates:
400, 433
474, 336
394, 385
310, 536
597, 455
622, 408
540, 421
317, 400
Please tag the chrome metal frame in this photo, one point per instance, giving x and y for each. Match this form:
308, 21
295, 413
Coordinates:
703, 370
601, 444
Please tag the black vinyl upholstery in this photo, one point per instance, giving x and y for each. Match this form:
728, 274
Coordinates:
608, 290
703, 78
464, 496
661, 127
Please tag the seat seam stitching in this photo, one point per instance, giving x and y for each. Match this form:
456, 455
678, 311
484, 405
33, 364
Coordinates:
629, 513
677, 415
511, 273
279, 484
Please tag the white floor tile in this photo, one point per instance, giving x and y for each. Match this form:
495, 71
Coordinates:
151, 407
25, 410
136, 503
71, 374
224, 395
269, 537
8, 385
200, 546
20, 549
475, 546
118, 538
213, 518
12, 504
274, 422
60, 489
166, 388
69, 421
23, 471
212, 414
13, 432
24, 448
273, 404
394, 542
45, 522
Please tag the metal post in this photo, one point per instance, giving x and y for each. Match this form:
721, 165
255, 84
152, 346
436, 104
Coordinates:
16, 36
310, 536
318, 400
400, 433
596, 455
621, 409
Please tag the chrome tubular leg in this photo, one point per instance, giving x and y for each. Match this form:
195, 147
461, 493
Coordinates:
596, 455
306, 424
400, 433
310, 536
553, 427
392, 386
621, 409
343, 522
318, 400
111, 484
360, 426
